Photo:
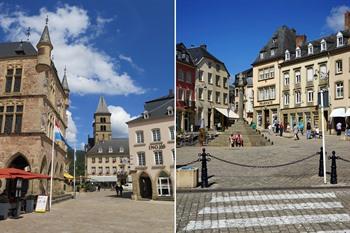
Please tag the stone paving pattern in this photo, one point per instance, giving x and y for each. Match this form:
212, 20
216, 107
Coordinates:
189, 204
97, 212
304, 174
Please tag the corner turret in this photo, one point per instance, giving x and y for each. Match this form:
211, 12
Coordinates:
44, 47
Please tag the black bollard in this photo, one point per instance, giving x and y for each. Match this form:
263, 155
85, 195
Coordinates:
333, 168
204, 176
320, 169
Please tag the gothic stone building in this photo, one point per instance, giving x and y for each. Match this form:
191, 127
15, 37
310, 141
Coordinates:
107, 158
31, 97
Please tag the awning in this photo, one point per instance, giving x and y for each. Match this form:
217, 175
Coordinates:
347, 112
103, 178
13, 173
338, 112
229, 114
68, 176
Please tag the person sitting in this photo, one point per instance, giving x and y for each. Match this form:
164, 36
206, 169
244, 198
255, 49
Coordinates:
239, 140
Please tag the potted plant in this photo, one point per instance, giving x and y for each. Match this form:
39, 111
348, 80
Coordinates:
30, 200
4, 207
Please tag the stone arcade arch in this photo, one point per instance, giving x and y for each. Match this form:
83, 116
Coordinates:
18, 161
145, 184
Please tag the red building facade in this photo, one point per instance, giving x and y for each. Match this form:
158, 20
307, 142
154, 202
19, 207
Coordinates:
185, 89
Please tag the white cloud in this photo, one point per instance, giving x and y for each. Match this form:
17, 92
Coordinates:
118, 119
71, 132
89, 70
335, 21
131, 62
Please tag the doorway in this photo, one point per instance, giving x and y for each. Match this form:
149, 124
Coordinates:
19, 162
266, 118
145, 186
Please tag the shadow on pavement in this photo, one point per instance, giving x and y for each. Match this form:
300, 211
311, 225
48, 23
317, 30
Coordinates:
126, 195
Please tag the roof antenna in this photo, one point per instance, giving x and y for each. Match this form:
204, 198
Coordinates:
47, 20
65, 69
28, 33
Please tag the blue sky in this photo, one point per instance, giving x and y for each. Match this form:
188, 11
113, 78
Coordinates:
120, 49
235, 31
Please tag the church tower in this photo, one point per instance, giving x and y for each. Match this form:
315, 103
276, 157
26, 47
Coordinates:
44, 47
102, 122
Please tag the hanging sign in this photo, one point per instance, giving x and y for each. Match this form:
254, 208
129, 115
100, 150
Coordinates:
41, 204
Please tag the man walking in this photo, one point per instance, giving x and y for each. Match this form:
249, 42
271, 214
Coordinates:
308, 130
338, 127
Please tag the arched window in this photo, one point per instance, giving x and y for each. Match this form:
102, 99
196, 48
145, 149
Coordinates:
287, 55
310, 49
297, 52
323, 45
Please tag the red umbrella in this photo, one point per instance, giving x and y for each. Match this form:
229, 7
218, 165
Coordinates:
12, 173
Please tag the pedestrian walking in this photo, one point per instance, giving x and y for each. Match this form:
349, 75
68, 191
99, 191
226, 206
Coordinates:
281, 129
301, 127
296, 131
338, 128
99, 188
232, 141
347, 129
308, 130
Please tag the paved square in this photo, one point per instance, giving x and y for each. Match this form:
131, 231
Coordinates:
284, 150
97, 212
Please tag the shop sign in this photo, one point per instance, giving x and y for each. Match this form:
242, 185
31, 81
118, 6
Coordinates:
41, 204
265, 103
158, 146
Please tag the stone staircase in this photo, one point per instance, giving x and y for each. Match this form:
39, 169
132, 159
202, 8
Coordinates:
251, 137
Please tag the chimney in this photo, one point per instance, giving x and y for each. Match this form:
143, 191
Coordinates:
171, 93
204, 46
347, 20
300, 40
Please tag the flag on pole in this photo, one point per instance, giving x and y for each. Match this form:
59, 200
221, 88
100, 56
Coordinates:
59, 136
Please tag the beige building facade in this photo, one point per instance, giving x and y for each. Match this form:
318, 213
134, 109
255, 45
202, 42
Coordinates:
211, 88
152, 150
32, 98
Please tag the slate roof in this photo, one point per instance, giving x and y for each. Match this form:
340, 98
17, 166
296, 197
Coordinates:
157, 108
282, 39
115, 143
17, 49
64, 81
45, 37
331, 43
182, 55
102, 106
247, 75
197, 53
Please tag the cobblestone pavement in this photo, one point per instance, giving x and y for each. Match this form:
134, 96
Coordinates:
264, 211
304, 174
97, 212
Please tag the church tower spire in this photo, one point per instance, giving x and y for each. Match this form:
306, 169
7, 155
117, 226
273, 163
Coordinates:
102, 122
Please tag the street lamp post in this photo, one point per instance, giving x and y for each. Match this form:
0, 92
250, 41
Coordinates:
322, 92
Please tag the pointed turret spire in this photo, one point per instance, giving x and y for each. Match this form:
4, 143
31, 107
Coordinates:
45, 36
102, 106
64, 81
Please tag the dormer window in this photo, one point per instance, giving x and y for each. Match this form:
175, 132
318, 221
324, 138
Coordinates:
298, 52
323, 45
121, 149
310, 49
272, 52
110, 149
100, 150
340, 41
261, 55
170, 111
145, 115
287, 55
